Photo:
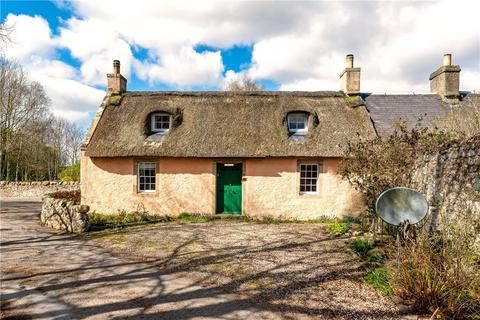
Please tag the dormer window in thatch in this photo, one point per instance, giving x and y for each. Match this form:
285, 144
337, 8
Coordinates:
297, 123
160, 122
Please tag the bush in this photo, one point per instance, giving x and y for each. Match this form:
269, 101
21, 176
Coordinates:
70, 173
376, 165
360, 246
440, 272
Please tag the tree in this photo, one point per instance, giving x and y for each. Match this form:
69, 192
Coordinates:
244, 83
5, 34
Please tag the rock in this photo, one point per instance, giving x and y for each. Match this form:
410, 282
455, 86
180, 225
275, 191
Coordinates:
62, 214
45, 183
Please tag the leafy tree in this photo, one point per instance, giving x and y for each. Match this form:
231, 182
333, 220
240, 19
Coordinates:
70, 173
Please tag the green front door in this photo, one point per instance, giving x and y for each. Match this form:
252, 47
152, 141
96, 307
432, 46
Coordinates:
229, 188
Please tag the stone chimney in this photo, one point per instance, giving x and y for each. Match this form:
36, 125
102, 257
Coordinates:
446, 80
350, 78
116, 82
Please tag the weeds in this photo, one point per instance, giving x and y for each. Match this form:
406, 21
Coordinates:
440, 273
360, 246
337, 227
379, 279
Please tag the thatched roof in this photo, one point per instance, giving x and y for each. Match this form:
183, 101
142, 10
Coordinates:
227, 124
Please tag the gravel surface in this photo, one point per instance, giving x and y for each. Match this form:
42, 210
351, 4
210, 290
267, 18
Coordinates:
298, 269
48, 275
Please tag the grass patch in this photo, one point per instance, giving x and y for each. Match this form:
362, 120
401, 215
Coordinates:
125, 219
379, 279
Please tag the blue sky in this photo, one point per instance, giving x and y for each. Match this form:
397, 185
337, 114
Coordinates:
69, 46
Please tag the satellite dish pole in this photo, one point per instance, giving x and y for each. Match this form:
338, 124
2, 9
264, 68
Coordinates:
401, 207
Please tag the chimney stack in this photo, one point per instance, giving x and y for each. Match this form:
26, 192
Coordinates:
117, 84
350, 78
445, 81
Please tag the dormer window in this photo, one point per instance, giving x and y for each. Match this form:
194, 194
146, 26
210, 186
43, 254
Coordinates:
297, 122
160, 122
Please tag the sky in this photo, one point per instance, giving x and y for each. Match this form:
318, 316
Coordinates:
69, 46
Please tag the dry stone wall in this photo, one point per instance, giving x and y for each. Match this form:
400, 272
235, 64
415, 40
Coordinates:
450, 179
34, 189
62, 214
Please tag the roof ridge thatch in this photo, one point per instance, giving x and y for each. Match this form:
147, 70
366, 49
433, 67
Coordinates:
238, 93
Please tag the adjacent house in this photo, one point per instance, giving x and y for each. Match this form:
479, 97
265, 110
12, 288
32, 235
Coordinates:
252, 153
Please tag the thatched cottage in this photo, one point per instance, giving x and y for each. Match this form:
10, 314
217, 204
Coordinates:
252, 153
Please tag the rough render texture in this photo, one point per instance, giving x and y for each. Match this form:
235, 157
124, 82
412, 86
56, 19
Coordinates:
350, 80
109, 185
446, 81
270, 188
116, 83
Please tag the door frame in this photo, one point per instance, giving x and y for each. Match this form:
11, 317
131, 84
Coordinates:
224, 161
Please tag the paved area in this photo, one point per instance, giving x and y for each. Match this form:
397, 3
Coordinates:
47, 275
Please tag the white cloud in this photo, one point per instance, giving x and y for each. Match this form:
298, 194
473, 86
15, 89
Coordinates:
34, 48
31, 36
184, 68
302, 46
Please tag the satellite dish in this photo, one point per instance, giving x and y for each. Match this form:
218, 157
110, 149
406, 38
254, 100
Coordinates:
399, 205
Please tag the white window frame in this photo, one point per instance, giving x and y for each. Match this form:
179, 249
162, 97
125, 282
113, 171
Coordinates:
150, 165
297, 114
153, 122
317, 184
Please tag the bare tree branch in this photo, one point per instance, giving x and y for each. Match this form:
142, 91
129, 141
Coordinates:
245, 83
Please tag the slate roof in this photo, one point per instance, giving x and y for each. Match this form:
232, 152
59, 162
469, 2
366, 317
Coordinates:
227, 124
414, 109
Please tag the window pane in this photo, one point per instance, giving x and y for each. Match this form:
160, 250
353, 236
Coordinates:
146, 176
308, 177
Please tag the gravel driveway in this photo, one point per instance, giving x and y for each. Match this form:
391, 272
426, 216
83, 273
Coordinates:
46, 275
295, 268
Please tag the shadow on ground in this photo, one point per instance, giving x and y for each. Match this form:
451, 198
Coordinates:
47, 275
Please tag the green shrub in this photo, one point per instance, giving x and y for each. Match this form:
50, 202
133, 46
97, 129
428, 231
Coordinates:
70, 173
360, 246
337, 227
379, 278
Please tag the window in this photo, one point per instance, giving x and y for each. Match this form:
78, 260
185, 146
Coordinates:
146, 177
160, 122
297, 122
309, 178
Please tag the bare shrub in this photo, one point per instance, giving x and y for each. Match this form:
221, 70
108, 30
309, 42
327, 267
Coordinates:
440, 272
73, 195
372, 166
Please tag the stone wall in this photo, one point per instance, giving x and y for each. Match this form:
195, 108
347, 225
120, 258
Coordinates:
34, 189
62, 214
450, 179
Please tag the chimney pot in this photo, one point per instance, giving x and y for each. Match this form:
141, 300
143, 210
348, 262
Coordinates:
349, 61
116, 66
447, 59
